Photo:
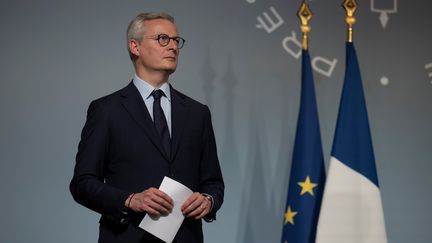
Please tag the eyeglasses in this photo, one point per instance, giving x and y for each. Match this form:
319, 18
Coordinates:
164, 40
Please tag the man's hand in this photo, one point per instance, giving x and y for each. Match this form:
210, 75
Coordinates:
196, 206
152, 201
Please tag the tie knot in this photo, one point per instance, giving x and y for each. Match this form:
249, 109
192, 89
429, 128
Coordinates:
157, 94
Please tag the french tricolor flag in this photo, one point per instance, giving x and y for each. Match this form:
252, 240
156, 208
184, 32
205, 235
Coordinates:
351, 209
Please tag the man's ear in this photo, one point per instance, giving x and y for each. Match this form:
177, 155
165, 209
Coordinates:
133, 47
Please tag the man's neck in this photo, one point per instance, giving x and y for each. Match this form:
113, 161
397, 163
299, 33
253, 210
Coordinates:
156, 79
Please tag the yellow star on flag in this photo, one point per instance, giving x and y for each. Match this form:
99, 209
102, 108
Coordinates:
307, 186
289, 216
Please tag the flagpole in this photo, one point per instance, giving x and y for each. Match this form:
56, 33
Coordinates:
351, 209
305, 14
350, 7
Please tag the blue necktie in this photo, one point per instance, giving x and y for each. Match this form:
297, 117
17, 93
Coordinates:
160, 121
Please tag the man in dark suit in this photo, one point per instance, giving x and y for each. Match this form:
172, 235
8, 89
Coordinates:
141, 133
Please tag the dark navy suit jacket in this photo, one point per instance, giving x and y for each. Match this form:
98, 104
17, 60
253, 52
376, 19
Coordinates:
120, 152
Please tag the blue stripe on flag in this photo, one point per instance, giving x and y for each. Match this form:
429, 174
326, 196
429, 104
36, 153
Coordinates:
352, 143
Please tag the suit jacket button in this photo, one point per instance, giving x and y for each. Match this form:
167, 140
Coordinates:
171, 174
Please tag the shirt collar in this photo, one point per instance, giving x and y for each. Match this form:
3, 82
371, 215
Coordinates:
146, 89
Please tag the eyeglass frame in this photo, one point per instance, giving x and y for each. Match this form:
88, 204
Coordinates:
176, 39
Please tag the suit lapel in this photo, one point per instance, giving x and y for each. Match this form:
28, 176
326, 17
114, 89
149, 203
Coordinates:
134, 104
179, 113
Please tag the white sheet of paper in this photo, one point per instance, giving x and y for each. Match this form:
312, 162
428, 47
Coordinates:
166, 227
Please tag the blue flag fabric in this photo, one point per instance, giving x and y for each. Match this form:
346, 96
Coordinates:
351, 209
352, 142
307, 169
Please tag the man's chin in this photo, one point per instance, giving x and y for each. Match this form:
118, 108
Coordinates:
169, 70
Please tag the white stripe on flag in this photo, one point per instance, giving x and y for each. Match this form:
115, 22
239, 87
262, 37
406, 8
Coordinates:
351, 210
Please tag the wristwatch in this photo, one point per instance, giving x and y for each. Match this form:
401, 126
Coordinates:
210, 198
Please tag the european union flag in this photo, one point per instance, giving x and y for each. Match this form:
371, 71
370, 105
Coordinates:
351, 209
307, 169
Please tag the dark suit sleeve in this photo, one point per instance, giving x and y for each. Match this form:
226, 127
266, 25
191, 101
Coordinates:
87, 185
211, 175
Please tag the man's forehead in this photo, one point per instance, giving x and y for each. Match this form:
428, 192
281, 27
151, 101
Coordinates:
160, 26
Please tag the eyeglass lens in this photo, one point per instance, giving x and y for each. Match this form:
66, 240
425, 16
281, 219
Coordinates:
165, 39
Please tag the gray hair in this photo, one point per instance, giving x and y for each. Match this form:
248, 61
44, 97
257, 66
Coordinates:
135, 30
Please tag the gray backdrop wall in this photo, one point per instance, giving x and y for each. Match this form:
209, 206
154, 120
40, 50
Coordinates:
241, 57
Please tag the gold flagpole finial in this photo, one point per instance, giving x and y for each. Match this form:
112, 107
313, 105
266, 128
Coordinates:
350, 7
305, 15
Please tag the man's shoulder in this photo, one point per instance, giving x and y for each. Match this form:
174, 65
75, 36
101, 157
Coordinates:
189, 101
114, 96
